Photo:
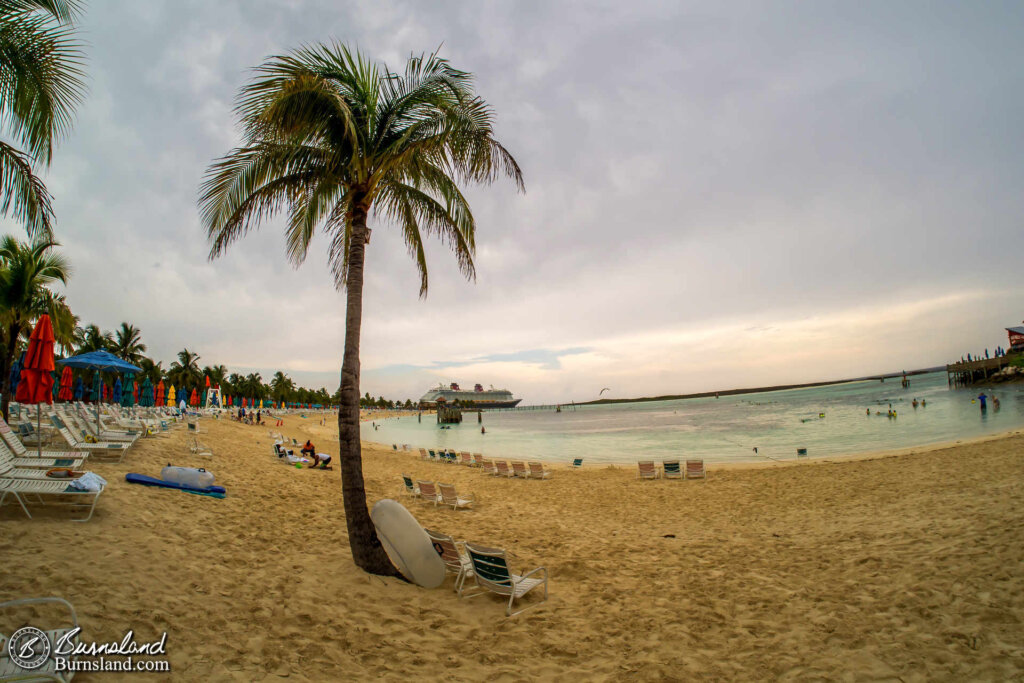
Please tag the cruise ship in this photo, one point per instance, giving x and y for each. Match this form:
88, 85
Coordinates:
478, 398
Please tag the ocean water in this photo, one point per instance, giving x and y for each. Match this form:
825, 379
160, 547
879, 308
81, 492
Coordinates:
727, 428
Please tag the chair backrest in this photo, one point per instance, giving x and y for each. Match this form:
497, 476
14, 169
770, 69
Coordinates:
478, 459
448, 493
423, 453
446, 548
466, 459
536, 468
646, 468
11, 438
427, 489
501, 466
577, 462
695, 468
432, 456
671, 466
490, 566
518, 467
408, 483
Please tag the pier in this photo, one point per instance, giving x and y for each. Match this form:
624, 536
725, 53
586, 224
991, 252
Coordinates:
970, 372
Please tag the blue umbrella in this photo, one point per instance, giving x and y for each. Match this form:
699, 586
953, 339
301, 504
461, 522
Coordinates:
79, 389
99, 360
116, 398
16, 373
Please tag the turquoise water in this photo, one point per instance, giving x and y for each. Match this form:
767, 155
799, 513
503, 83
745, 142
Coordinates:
728, 428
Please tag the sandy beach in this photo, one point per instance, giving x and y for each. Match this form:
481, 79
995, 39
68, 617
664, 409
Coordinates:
885, 567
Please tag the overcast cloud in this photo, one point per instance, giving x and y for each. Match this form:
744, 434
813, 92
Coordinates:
718, 194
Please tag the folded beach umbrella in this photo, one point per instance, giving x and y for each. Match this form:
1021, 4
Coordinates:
159, 394
116, 395
170, 396
36, 383
205, 392
66, 380
207, 381
193, 399
79, 389
127, 395
243, 402
94, 393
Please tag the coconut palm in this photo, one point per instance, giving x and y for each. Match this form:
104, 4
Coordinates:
281, 386
94, 339
334, 139
153, 370
40, 85
128, 344
185, 372
26, 272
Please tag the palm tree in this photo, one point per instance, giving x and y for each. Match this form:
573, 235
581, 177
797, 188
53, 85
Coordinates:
153, 370
40, 84
26, 271
94, 339
281, 386
331, 138
185, 371
65, 323
128, 344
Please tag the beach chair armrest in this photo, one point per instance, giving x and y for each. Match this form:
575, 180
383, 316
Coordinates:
534, 571
38, 601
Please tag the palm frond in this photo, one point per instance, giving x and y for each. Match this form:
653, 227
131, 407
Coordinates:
23, 195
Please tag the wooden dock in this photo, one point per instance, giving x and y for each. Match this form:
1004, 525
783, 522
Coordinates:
971, 372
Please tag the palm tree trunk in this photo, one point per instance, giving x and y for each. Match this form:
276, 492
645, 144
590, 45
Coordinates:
13, 332
367, 551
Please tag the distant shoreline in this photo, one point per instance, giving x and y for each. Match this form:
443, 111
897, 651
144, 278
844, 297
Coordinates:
753, 390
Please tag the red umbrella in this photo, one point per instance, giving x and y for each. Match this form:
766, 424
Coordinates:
136, 391
160, 393
66, 378
243, 402
193, 400
207, 381
36, 385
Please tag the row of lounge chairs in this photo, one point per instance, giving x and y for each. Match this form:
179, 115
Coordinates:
489, 569
671, 469
437, 493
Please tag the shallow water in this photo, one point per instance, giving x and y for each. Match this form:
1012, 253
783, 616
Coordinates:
726, 429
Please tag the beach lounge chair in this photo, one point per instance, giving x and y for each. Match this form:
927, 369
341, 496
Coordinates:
6, 455
488, 466
478, 459
646, 470
670, 469
466, 458
695, 470
410, 487
100, 449
433, 456
428, 491
9, 671
501, 469
519, 470
450, 497
196, 447
491, 574
55, 491
423, 454
537, 470
577, 463
455, 560
19, 450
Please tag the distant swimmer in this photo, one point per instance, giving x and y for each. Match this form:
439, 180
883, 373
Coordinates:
982, 399
923, 403
867, 411
755, 450
483, 430
995, 402
914, 403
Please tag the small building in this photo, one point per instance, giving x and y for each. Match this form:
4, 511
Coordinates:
1016, 338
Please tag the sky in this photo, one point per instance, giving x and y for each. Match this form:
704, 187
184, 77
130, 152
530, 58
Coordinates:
718, 195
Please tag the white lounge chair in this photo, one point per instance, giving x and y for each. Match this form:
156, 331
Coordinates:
646, 469
100, 449
9, 671
537, 471
491, 574
449, 496
196, 447
670, 469
59, 492
455, 560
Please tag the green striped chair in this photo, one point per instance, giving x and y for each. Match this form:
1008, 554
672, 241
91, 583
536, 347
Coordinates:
492, 575
670, 469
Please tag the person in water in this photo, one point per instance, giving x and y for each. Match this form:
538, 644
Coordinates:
982, 398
